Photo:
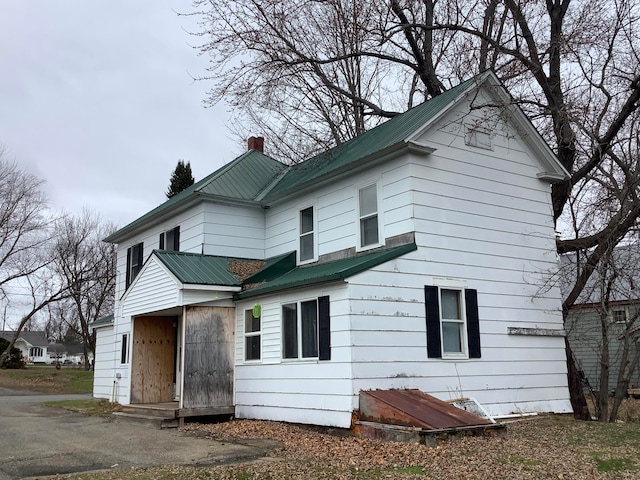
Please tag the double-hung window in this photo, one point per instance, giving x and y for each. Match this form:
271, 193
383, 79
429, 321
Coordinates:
368, 210
251, 335
306, 234
453, 327
134, 262
306, 329
170, 240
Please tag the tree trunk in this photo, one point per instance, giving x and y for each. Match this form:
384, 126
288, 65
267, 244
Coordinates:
578, 400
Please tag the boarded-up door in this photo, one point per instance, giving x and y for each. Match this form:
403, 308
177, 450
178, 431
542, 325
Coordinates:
208, 357
153, 360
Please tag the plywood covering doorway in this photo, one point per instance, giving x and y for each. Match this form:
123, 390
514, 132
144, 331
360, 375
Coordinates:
153, 359
208, 360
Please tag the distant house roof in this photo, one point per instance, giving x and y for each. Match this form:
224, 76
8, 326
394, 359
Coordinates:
33, 338
625, 260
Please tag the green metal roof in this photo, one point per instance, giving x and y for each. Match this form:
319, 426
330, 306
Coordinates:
198, 269
377, 140
103, 321
326, 272
242, 179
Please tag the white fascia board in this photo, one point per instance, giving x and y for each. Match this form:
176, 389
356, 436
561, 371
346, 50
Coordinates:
210, 288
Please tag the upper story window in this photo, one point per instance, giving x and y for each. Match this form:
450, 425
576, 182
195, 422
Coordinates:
368, 209
306, 234
453, 326
170, 240
620, 316
134, 262
251, 335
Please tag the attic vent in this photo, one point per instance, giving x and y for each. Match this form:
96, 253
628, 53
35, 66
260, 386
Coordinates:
479, 137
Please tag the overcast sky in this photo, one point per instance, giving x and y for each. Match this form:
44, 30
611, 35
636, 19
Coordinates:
97, 98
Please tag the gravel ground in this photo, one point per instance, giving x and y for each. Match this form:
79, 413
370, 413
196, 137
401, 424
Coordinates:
543, 447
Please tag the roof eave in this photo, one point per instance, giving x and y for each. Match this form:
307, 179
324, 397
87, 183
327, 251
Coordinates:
367, 161
137, 226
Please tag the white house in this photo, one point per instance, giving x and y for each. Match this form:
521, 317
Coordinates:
33, 345
412, 256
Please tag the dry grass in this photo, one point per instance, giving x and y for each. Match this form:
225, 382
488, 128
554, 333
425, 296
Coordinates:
46, 379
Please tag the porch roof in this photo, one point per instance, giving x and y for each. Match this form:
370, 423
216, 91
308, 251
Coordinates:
325, 272
200, 269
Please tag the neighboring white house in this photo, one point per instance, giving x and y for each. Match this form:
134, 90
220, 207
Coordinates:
412, 256
33, 345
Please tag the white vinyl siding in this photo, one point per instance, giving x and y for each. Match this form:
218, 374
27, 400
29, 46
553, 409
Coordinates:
103, 369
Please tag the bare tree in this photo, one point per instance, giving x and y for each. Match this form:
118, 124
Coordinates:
87, 266
571, 65
25, 241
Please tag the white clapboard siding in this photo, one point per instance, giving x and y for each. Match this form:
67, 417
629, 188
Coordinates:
309, 388
154, 290
336, 418
103, 374
233, 231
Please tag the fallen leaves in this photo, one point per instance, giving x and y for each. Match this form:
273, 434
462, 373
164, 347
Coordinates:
533, 449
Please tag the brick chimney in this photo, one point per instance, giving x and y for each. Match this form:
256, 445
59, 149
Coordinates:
256, 143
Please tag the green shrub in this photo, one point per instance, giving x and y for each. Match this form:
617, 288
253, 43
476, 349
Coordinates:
14, 360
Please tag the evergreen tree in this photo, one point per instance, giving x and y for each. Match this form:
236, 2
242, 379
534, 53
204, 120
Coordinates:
181, 178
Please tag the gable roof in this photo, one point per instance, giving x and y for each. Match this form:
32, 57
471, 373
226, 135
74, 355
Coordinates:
384, 138
241, 180
258, 180
33, 338
199, 269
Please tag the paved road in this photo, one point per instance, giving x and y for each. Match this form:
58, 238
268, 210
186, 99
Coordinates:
36, 441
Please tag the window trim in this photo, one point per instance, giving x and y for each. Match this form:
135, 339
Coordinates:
125, 349
471, 326
464, 353
313, 233
257, 333
360, 217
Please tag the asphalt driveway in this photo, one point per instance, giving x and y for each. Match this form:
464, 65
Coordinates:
37, 441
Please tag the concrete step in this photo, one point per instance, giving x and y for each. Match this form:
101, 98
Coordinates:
152, 420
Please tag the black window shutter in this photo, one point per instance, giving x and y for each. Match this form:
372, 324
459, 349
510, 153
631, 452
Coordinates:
473, 322
324, 329
176, 239
432, 306
161, 242
140, 256
128, 281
